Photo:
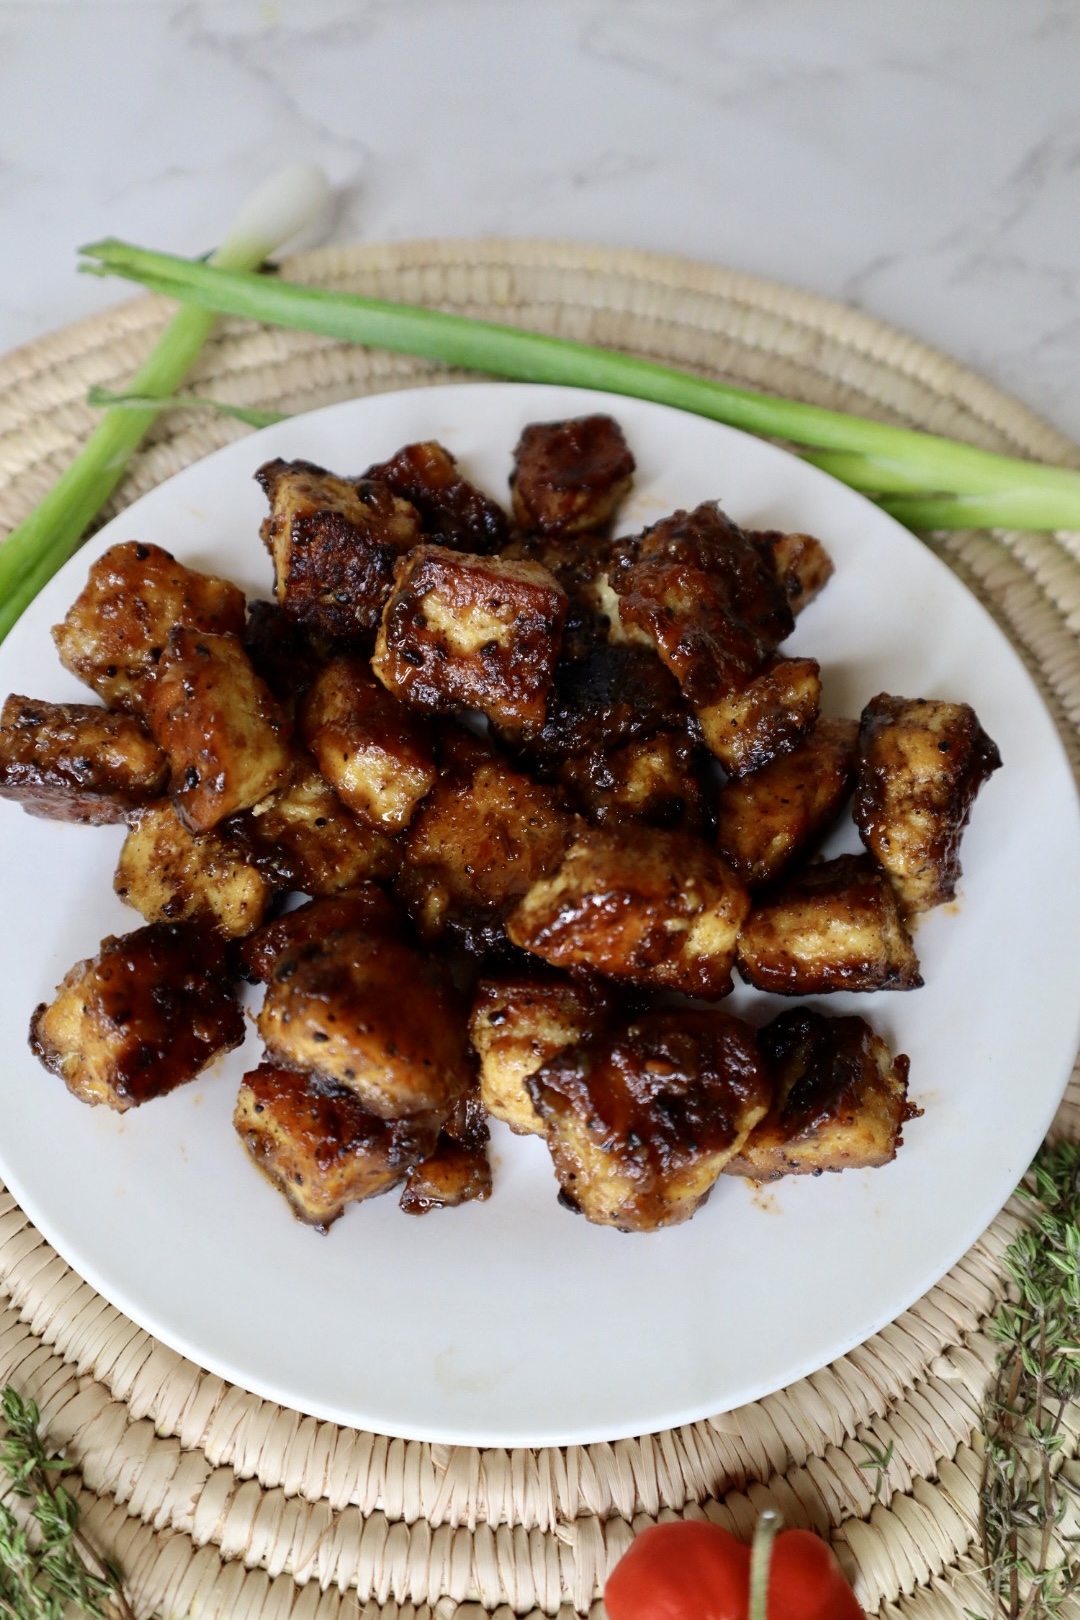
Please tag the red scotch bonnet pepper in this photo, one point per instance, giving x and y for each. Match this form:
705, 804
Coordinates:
691, 1570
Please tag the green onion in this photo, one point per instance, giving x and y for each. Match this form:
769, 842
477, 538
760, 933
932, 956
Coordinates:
105, 398
940, 475
39, 545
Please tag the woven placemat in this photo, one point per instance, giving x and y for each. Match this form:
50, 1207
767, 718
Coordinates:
217, 1503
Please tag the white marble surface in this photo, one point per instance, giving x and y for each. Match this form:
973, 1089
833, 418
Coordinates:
920, 160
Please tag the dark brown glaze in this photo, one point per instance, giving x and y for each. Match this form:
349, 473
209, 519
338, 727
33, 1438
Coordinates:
462, 632
653, 779
170, 875
375, 753
835, 926
453, 512
313, 927
768, 821
146, 1014
373, 1015
920, 765
226, 738
77, 762
458, 1170
767, 717
645, 906
116, 629
570, 476
578, 562
319, 1147
619, 692
518, 1021
334, 542
699, 590
839, 1099
798, 561
282, 652
641, 1121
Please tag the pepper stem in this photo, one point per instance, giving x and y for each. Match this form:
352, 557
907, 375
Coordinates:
765, 1532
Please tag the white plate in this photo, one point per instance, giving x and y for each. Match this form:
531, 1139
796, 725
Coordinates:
514, 1322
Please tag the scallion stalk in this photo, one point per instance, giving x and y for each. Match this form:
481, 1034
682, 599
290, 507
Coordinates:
939, 474
251, 415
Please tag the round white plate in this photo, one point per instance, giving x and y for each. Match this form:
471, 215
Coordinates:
514, 1322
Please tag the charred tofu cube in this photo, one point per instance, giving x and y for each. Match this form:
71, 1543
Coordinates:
458, 1171
641, 1121
306, 839
569, 476
766, 822
116, 630
770, 715
616, 694
453, 512
483, 835
311, 928
334, 542
643, 906
799, 562
579, 562
374, 752
652, 779
149, 1012
921, 764
519, 1023
76, 762
226, 739
463, 632
282, 653
697, 589
839, 1099
836, 926
319, 1147
373, 1015
169, 875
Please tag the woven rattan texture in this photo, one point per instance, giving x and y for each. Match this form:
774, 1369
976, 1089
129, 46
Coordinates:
219, 1504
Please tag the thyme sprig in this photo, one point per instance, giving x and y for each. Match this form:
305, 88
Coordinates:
1031, 1558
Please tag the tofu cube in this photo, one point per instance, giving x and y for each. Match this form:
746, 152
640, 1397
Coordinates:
374, 752
457, 1171
453, 512
619, 692
798, 561
652, 779
465, 632
570, 476
307, 840
310, 928
770, 715
77, 762
169, 875
146, 1014
518, 1023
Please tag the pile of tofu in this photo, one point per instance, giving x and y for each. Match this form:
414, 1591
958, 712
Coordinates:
540, 793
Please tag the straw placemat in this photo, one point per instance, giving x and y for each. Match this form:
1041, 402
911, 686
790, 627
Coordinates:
217, 1503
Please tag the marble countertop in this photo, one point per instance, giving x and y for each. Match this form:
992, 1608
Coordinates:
919, 161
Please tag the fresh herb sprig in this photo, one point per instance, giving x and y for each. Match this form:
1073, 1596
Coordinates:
46, 1562
1032, 1565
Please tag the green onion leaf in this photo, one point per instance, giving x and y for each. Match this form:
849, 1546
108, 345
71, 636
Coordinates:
103, 397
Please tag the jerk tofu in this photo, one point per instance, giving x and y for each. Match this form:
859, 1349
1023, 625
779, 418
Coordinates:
768, 821
464, 632
282, 653
835, 926
769, 716
839, 1099
169, 875
920, 765
334, 543
616, 694
146, 1014
570, 476
312, 927
458, 1170
226, 739
641, 1121
799, 562
319, 1147
653, 779
304, 838
77, 762
516, 1024
374, 752
453, 512
116, 630
647, 907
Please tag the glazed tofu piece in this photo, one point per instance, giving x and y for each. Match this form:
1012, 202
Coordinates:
373, 751
616, 694
458, 1170
921, 763
570, 476
518, 1023
306, 839
146, 1014
768, 821
312, 927
579, 562
653, 779
641, 1121
319, 1147
799, 562
77, 762
116, 630
226, 739
464, 632
483, 835
835, 926
453, 512
696, 588
282, 653
839, 1099
334, 542
371, 1014
770, 715
169, 875
644, 906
